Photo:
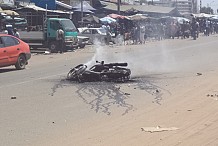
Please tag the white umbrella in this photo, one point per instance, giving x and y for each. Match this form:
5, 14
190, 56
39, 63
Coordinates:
107, 20
202, 15
215, 17
138, 17
180, 20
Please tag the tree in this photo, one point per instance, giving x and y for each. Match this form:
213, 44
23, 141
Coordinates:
207, 10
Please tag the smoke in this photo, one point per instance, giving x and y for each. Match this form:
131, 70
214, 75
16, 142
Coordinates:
141, 59
158, 60
99, 53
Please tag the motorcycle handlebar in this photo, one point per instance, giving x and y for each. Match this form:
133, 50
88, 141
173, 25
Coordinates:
112, 64
116, 64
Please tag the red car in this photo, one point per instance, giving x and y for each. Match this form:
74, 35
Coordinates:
13, 51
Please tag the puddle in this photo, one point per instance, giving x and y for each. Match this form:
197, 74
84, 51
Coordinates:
150, 88
101, 96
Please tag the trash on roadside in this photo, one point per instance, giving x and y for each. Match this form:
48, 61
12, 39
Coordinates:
214, 96
199, 74
34, 54
13, 97
47, 52
158, 129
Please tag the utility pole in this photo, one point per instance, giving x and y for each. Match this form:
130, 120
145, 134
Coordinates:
176, 4
200, 6
46, 12
82, 12
118, 6
91, 2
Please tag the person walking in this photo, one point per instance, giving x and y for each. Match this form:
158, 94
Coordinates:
134, 35
142, 34
60, 39
207, 27
16, 33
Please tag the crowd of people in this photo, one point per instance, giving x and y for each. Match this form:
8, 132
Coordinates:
139, 31
8, 29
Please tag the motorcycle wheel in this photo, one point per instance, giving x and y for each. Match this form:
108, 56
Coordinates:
104, 78
127, 78
72, 74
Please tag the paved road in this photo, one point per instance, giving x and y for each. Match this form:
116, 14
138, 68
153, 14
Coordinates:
47, 106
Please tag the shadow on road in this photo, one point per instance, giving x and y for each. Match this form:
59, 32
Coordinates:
4, 70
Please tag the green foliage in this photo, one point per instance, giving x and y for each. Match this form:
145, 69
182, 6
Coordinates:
207, 10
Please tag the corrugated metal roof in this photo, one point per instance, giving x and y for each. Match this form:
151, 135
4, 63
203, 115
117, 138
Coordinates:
142, 8
36, 8
64, 5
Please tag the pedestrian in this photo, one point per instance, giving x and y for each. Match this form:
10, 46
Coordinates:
142, 34
60, 39
134, 35
16, 33
108, 36
207, 23
10, 30
5, 31
138, 34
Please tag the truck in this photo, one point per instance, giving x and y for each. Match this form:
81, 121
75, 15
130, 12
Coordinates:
46, 37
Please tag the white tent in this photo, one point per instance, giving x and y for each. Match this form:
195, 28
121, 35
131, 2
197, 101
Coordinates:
181, 20
202, 15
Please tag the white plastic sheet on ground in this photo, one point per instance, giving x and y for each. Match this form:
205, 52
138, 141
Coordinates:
158, 129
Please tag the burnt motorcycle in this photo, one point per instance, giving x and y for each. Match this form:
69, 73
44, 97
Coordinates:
100, 72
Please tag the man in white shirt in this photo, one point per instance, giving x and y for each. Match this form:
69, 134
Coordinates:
60, 39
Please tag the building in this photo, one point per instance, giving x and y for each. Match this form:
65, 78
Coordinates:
72, 2
149, 10
187, 6
183, 6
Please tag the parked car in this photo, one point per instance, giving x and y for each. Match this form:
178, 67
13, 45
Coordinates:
94, 34
17, 22
13, 51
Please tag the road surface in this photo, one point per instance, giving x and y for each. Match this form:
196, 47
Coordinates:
173, 84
